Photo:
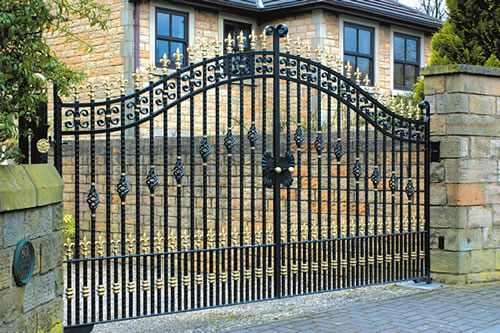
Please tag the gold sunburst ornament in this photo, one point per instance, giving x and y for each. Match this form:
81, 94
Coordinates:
43, 146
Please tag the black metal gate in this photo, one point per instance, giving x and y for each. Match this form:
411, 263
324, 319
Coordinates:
243, 177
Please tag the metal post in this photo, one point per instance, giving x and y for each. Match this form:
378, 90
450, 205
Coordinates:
427, 167
57, 131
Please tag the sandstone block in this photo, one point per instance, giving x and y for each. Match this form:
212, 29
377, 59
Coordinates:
492, 238
481, 104
437, 173
17, 190
438, 194
14, 227
452, 103
454, 146
459, 171
479, 217
482, 261
480, 147
450, 262
11, 306
40, 290
497, 260
452, 279
492, 194
465, 194
434, 85
51, 255
483, 277
495, 148
472, 124
50, 315
57, 217
5, 268
496, 215
448, 217
458, 239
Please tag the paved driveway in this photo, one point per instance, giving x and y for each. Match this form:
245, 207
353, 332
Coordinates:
473, 308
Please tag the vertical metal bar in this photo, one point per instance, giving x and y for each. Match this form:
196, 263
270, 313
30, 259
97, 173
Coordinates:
166, 233
409, 239
338, 150
219, 262
205, 190
276, 154
77, 115
241, 252
122, 201
57, 130
178, 203
265, 284
320, 247
348, 195
384, 206
393, 203
193, 256
376, 241
255, 261
427, 188
358, 245
108, 208
418, 208
152, 187
288, 191
309, 281
137, 139
368, 278
299, 138
229, 142
400, 239
329, 249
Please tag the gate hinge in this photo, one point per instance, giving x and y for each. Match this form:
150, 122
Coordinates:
435, 151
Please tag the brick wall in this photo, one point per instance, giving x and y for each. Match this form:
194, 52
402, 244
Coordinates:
30, 208
465, 189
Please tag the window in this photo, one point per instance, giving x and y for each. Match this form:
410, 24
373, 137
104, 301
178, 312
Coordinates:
358, 49
406, 61
171, 33
234, 28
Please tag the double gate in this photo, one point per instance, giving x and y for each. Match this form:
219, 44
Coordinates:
241, 177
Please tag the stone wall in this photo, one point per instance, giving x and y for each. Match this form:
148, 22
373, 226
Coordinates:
465, 189
30, 207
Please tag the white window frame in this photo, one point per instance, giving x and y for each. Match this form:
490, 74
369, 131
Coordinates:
413, 33
368, 23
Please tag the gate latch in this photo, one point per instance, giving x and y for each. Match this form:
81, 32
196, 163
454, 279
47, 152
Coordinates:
279, 169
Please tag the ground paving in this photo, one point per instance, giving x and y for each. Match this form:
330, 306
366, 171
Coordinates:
471, 308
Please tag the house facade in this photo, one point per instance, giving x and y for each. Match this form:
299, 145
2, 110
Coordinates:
386, 40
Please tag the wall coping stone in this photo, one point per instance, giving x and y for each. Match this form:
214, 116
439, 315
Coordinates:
28, 186
460, 69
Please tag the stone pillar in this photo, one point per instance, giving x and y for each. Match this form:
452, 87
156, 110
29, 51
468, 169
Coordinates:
30, 208
465, 183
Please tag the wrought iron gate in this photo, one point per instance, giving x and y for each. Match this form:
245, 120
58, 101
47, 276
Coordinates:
241, 177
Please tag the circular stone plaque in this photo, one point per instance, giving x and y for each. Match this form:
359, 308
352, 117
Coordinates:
24, 262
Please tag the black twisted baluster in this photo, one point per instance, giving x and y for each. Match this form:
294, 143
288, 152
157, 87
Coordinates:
339, 152
219, 255
178, 174
357, 172
229, 143
152, 183
206, 153
194, 257
393, 185
266, 260
375, 178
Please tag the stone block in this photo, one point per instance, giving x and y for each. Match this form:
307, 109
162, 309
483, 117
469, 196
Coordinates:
58, 273
492, 238
450, 262
438, 194
452, 103
480, 147
472, 124
460, 171
5, 268
479, 217
474, 84
497, 260
496, 215
448, 217
492, 194
481, 104
458, 239
50, 315
49, 184
437, 172
57, 217
14, 227
482, 261
17, 190
454, 146
40, 290
482, 277
51, 254
435, 85
2, 227
465, 194
11, 306
451, 279
495, 148
438, 125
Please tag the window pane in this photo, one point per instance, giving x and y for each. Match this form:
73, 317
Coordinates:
174, 46
163, 24
410, 75
364, 43
398, 75
352, 61
364, 66
177, 26
399, 48
162, 48
411, 50
350, 39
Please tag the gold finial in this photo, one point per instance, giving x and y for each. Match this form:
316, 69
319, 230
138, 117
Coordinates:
229, 43
338, 65
241, 41
367, 80
77, 90
151, 72
158, 241
144, 240
288, 44
130, 243
108, 85
137, 78
348, 69
253, 40
122, 83
191, 53
319, 53
92, 87
308, 50
263, 37
357, 75
99, 245
217, 44
85, 247
204, 49
299, 45
329, 60
178, 56
165, 62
